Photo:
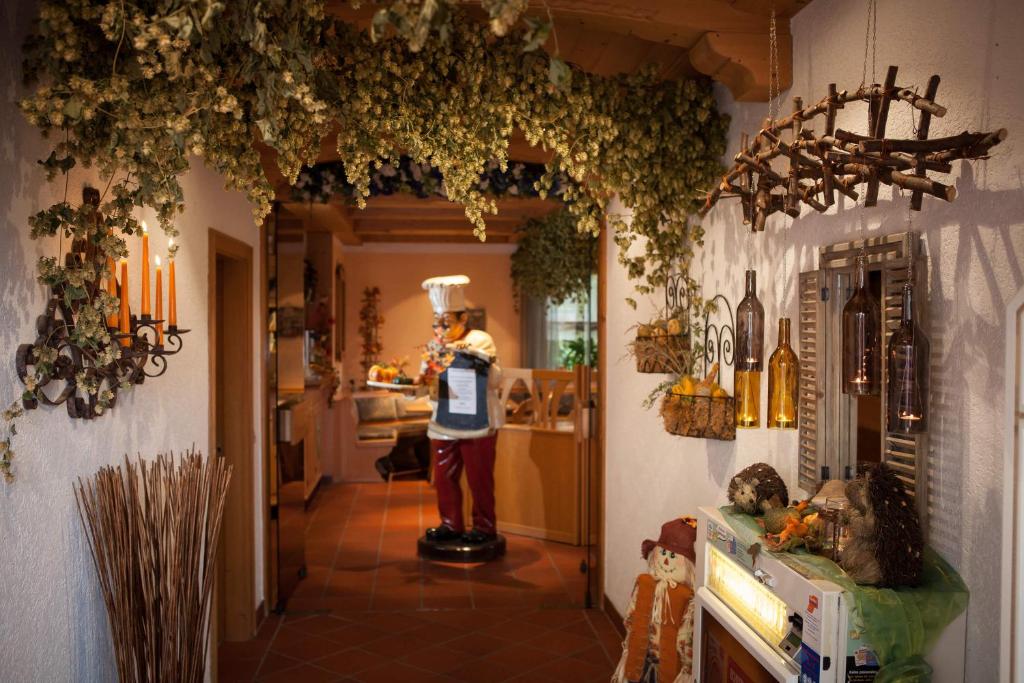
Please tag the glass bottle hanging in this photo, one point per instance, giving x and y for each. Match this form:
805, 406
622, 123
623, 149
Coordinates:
749, 355
862, 342
783, 370
909, 352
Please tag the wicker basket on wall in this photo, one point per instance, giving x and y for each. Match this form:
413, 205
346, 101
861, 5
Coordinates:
704, 417
665, 353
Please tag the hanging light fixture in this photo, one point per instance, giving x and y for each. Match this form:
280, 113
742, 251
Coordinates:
862, 344
783, 369
749, 355
909, 352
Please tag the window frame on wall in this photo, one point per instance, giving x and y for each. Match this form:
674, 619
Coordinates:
827, 442
543, 326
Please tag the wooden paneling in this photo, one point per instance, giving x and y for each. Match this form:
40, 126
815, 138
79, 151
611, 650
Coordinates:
536, 484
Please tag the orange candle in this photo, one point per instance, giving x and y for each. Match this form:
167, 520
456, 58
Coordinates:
145, 269
113, 318
172, 297
159, 303
125, 321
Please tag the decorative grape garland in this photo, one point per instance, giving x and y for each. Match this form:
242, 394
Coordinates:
139, 89
326, 181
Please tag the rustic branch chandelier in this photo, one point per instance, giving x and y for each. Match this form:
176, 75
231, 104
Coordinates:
839, 161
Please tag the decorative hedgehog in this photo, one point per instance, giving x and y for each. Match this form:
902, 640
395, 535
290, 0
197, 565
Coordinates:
757, 489
886, 546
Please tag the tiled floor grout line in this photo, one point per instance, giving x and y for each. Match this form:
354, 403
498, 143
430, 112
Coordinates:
422, 562
380, 544
341, 539
270, 644
558, 570
600, 640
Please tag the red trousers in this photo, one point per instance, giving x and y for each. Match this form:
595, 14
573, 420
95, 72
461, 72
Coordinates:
478, 457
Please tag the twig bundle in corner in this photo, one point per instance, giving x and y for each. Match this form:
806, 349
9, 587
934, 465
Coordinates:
153, 530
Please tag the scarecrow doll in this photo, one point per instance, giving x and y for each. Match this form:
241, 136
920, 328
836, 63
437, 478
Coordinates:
461, 367
659, 623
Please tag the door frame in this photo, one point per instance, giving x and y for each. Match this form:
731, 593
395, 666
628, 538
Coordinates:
602, 408
1011, 648
240, 619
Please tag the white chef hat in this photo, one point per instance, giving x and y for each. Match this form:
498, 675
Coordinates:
447, 293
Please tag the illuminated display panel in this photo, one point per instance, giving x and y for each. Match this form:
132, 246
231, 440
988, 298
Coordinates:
759, 607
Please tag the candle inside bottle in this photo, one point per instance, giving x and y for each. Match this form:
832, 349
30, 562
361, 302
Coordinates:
145, 269
124, 326
113, 320
159, 304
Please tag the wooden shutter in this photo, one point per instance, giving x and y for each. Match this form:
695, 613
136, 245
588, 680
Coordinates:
812, 379
906, 455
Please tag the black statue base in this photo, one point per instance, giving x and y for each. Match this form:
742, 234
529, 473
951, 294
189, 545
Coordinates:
460, 551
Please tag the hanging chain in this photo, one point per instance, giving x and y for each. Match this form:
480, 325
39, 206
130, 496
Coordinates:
773, 67
870, 38
910, 257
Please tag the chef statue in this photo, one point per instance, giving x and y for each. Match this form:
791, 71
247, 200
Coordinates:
461, 367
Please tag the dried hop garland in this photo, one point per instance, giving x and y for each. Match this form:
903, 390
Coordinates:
140, 89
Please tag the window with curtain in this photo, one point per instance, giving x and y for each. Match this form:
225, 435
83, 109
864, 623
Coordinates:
560, 335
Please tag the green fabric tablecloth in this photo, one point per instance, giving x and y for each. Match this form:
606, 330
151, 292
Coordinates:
900, 624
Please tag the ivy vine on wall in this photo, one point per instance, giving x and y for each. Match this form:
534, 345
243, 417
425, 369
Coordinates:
140, 89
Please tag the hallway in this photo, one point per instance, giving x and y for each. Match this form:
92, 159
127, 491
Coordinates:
370, 610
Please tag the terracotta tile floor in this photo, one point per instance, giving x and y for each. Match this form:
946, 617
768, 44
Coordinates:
370, 610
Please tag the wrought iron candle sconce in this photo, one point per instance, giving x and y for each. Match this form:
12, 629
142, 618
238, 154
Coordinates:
80, 372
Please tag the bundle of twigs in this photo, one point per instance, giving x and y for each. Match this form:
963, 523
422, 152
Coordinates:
153, 529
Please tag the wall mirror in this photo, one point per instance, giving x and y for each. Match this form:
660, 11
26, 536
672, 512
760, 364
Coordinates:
838, 433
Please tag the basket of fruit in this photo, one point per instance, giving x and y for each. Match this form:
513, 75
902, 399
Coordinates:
700, 409
662, 347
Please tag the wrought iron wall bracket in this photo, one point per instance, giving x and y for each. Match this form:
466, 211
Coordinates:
719, 338
142, 357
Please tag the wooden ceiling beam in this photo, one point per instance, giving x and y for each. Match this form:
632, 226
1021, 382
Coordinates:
436, 239
317, 217
608, 37
431, 227
740, 62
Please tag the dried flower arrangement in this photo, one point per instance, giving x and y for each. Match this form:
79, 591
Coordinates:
153, 531
370, 321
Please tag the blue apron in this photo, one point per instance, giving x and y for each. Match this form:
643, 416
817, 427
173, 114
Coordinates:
462, 394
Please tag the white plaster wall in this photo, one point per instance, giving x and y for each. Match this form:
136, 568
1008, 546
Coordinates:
975, 253
52, 620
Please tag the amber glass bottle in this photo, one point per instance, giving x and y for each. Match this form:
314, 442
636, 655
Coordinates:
749, 355
783, 371
862, 338
909, 352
